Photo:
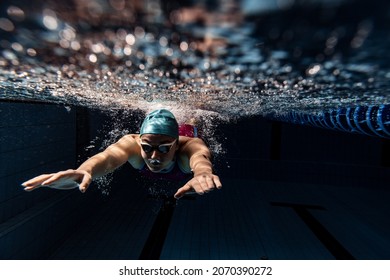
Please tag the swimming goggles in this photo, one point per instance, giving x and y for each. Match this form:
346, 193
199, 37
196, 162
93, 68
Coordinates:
163, 148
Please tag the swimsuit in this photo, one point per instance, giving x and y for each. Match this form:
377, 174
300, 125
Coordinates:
175, 174
189, 131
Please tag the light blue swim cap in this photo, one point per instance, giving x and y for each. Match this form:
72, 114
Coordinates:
162, 122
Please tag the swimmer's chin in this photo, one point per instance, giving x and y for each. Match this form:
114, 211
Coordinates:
155, 169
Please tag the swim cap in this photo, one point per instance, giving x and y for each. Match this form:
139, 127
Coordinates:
160, 121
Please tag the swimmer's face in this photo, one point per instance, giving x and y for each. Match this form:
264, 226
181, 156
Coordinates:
158, 151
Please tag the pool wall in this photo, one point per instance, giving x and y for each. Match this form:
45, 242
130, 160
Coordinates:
37, 138
269, 150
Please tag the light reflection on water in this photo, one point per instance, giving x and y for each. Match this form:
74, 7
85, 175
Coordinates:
222, 60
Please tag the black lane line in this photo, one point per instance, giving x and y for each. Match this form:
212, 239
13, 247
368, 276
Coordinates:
155, 242
326, 238
157, 235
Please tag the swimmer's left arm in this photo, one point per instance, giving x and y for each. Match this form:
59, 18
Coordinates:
200, 163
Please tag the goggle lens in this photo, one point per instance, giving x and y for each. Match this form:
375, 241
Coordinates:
163, 148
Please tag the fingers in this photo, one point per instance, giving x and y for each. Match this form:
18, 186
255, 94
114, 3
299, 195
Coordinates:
207, 183
70, 175
182, 191
57, 176
87, 179
217, 182
200, 184
61, 180
35, 182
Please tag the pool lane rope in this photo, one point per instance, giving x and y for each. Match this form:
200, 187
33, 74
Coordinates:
369, 120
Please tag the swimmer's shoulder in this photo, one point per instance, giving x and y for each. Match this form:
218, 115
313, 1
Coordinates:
129, 144
188, 146
129, 140
186, 142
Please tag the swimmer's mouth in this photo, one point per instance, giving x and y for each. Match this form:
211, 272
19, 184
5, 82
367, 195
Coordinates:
155, 162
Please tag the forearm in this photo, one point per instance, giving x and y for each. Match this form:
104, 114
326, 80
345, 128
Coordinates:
98, 165
201, 164
111, 158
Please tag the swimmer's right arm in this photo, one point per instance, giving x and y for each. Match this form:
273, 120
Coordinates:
100, 164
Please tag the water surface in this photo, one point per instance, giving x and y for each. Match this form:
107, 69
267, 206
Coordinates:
222, 60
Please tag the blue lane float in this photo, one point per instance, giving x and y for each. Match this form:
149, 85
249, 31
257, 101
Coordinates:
371, 120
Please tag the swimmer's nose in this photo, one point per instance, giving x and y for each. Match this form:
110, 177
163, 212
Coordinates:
154, 155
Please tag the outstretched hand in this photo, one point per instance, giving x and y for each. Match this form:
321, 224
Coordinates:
200, 184
63, 180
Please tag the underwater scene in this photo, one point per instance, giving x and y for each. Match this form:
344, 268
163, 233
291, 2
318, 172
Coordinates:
292, 97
